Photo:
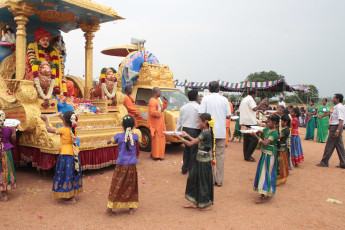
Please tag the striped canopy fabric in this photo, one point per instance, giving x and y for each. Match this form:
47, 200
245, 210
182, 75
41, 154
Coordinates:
274, 86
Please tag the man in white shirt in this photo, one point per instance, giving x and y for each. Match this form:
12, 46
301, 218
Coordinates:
281, 102
248, 110
188, 120
218, 107
335, 136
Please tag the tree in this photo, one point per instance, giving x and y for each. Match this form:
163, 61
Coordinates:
314, 94
264, 76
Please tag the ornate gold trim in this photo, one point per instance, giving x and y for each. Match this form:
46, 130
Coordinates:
87, 4
113, 205
54, 16
67, 194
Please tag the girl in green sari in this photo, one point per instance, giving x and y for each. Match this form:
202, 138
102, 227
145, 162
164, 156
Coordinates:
310, 121
323, 121
237, 132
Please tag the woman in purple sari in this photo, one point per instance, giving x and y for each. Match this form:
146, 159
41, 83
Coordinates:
7, 173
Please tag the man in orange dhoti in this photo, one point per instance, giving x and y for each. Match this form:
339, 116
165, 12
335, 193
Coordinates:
228, 121
129, 104
157, 124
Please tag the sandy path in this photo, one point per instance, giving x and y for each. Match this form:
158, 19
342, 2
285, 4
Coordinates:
299, 204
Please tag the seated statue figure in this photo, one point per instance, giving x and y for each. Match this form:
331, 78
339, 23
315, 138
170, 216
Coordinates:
45, 80
106, 89
42, 50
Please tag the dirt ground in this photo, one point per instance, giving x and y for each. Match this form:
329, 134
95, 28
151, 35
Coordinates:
299, 204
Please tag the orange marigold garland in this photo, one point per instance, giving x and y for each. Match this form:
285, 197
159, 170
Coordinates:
36, 55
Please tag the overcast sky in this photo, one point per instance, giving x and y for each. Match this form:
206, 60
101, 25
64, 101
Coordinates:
303, 40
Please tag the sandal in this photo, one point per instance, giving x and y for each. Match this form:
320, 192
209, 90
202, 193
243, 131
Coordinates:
4, 198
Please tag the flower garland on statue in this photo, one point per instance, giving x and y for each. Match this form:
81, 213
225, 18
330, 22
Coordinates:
211, 125
111, 95
47, 96
74, 120
35, 61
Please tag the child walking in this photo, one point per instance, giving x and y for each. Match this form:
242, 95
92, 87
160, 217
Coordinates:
266, 174
68, 176
237, 132
296, 146
199, 189
283, 149
123, 191
7, 172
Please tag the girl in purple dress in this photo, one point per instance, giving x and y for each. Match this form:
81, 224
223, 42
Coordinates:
124, 185
7, 173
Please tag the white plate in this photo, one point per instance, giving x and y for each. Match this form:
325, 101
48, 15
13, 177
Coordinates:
172, 132
271, 111
11, 122
257, 127
248, 131
235, 117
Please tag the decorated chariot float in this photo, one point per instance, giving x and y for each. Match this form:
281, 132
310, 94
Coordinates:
33, 81
141, 70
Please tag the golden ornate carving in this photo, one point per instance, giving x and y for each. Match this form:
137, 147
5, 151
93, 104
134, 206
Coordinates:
7, 69
89, 28
54, 16
145, 75
39, 138
26, 92
95, 7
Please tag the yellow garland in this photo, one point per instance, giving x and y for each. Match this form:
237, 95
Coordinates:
211, 125
102, 75
58, 82
34, 68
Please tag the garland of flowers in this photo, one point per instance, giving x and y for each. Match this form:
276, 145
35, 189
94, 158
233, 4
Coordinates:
129, 136
211, 125
111, 95
47, 96
74, 120
36, 55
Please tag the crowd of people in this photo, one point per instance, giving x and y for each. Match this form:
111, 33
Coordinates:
205, 134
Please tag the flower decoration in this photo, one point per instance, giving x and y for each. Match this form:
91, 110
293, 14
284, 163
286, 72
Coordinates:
36, 55
75, 151
211, 125
74, 120
129, 136
35, 68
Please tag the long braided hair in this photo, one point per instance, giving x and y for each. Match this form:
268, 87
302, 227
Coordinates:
128, 123
71, 119
210, 122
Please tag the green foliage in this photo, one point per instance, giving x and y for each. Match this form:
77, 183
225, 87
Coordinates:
264, 76
314, 94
